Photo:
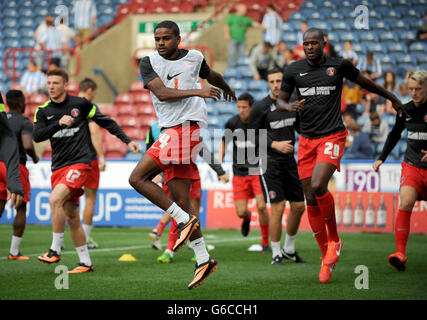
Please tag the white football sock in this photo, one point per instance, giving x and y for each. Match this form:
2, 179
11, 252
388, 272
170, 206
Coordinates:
87, 229
57, 242
289, 245
170, 252
83, 253
275, 247
14, 245
199, 248
178, 214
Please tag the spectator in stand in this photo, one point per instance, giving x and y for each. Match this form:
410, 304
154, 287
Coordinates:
374, 103
284, 56
348, 121
303, 28
235, 33
85, 18
272, 23
376, 128
329, 47
348, 52
33, 80
390, 81
361, 147
402, 94
68, 34
263, 58
422, 30
51, 39
39, 56
372, 64
352, 94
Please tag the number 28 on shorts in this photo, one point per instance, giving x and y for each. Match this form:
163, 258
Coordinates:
332, 150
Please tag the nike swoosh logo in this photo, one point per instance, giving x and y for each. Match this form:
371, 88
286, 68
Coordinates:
49, 117
338, 252
303, 74
171, 77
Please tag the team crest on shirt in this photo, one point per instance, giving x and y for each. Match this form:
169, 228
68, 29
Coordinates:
75, 112
425, 118
272, 194
330, 71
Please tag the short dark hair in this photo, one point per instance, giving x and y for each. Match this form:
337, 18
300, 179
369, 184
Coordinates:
87, 83
169, 25
14, 98
274, 70
319, 32
246, 97
58, 72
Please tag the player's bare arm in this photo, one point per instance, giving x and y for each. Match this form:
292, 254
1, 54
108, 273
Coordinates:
377, 164
27, 142
371, 86
284, 146
164, 93
424, 158
216, 79
284, 105
66, 121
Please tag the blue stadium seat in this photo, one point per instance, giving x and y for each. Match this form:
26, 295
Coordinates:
333, 37
25, 12
359, 47
418, 47
368, 36
352, 36
338, 25
10, 33
12, 43
238, 84
297, 16
404, 58
28, 42
105, 19
105, 9
421, 57
231, 73
376, 47
27, 22
399, 25
41, 11
412, 13
320, 24
379, 25
407, 35
225, 108
9, 23
376, 14
387, 36
257, 85
215, 122
309, 5
387, 58
26, 32
393, 47
243, 61
106, 2
288, 27
402, 148
289, 37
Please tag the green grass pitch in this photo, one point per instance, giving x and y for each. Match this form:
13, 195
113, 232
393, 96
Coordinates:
241, 275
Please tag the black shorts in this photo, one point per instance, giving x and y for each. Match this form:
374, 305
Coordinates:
282, 180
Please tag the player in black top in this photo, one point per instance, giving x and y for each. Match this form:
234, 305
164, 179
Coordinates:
281, 173
64, 120
247, 178
9, 154
318, 82
413, 182
23, 129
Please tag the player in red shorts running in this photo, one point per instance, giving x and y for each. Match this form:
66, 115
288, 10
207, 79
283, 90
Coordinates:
172, 76
64, 121
318, 80
413, 183
23, 129
246, 184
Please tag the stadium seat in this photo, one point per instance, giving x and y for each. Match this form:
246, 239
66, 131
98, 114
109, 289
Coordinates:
367, 36
338, 25
379, 25
289, 37
141, 97
137, 86
418, 47
146, 120
376, 47
126, 109
257, 85
127, 120
144, 109
225, 107
37, 99
243, 61
110, 110
135, 133
407, 36
124, 98
345, 36
393, 47
238, 84
402, 58
420, 57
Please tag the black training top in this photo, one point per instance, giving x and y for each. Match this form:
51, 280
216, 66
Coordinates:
321, 87
280, 125
416, 124
9, 152
20, 125
245, 153
72, 144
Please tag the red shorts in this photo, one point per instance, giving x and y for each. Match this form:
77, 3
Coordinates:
176, 151
92, 181
195, 190
327, 149
416, 178
74, 177
248, 187
24, 177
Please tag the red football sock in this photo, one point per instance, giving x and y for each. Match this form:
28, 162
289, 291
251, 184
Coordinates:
318, 226
173, 235
403, 224
264, 234
160, 227
326, 205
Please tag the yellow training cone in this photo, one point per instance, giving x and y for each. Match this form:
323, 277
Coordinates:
127, 257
